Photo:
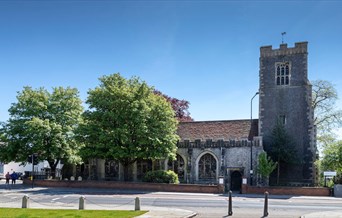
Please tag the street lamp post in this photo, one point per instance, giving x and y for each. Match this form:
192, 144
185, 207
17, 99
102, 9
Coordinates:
251, 169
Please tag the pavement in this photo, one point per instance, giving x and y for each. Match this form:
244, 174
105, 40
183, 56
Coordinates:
153, 211
325, 214
159, 212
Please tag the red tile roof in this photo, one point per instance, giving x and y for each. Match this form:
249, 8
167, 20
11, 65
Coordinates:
215, 130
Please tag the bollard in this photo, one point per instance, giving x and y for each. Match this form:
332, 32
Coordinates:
25, 202
266, 205
137, 203
81, 205
230, 209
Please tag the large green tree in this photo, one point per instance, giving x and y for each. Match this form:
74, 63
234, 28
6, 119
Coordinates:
43, 123
127, 121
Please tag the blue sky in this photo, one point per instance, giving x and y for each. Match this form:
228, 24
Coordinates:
206, 52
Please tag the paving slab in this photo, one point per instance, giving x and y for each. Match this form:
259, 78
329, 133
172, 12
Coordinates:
325, 214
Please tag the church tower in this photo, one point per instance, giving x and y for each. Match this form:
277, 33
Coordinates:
285, 96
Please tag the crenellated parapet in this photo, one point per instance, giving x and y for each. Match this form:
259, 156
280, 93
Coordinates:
257, 141
300, 48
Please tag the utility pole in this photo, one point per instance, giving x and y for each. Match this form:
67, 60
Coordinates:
251, 169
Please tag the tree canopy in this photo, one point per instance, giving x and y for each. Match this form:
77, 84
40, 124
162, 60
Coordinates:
43, 123
265, 167
127, 121
327, 117
332, 157
180, 107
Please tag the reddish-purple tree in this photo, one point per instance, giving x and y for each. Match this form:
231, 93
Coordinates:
179, 106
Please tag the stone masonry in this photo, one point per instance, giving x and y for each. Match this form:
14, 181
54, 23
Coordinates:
292, 104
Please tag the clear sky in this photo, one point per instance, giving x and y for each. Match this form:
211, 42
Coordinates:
206, 52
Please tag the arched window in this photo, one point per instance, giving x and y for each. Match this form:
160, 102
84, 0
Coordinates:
111, 170
207, 168
143, 166
282, 74
178, 167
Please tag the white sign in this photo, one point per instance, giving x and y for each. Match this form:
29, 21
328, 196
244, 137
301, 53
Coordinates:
329, 173
244, 181
221, 181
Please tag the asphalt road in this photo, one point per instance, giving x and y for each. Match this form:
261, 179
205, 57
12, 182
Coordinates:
205, 205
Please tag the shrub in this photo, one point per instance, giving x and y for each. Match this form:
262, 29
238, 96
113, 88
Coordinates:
338, 179
161, 176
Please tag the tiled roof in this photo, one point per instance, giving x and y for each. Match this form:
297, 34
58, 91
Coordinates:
215, 130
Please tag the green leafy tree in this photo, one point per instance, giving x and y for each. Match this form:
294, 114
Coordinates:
282, 147
43, 123
127, 121
265, 167
332, 157
332, 160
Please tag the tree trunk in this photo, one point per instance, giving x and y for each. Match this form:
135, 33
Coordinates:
267, 181
53, 171
126, 165
53, 165
126, 172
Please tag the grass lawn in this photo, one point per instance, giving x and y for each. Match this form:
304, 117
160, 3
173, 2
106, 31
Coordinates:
33, 213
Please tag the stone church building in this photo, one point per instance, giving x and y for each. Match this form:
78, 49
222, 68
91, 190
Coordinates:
229, 149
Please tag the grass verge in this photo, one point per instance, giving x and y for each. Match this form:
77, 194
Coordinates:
35, 213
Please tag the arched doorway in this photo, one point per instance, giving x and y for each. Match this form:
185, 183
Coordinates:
235, 181
207, 169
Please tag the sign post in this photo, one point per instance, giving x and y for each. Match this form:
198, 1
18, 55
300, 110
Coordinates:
328, 174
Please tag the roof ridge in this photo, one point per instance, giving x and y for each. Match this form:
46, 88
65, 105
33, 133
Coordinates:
214, 121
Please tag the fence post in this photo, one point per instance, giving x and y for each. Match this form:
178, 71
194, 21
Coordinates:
230, 209
81, 205
266, 205
137, 203
25, 202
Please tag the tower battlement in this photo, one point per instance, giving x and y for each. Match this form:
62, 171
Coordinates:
300, 48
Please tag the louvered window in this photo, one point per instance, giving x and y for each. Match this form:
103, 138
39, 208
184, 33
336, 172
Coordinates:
282, 75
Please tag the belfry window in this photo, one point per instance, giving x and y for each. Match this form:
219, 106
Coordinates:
282, 74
